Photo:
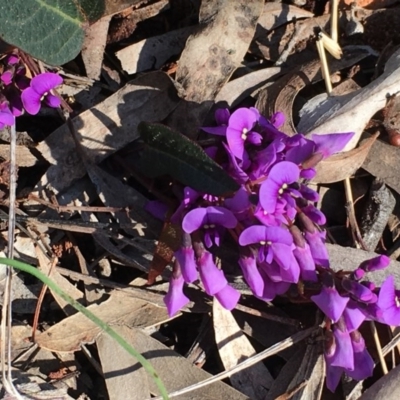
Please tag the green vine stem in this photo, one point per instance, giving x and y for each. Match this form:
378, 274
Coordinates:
105, 327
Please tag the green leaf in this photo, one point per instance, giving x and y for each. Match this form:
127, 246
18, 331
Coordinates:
50, 30
169, 152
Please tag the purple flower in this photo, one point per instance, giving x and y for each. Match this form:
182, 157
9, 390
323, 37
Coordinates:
353, 316
6, 116
39, 90
275, 244
330, 302
277, 184
277, 119
343, 356
318, 249
222, 118
175, 299
363, 362
211, 219
239, 131
7, 77
359, 291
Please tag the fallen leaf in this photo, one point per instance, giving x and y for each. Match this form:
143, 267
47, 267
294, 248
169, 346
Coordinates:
154, 52
123, 379
387, 387
174, 370
76, 330
210, 57
93, 47
234, 347
343, 165
276, 14
106, 128
352, 112
383, 163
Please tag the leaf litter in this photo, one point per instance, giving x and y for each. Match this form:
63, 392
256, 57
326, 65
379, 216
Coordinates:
200, 56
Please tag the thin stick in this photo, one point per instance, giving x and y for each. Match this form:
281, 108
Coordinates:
6, 321
334, 20
324, 66
379, 348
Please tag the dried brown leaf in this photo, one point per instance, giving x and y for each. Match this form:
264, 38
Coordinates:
210, 57
154, 52
343, 165
123, 379
233, 348
175, 371
120, 309
94, 45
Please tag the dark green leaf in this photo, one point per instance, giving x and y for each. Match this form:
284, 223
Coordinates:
50, 30
169, 152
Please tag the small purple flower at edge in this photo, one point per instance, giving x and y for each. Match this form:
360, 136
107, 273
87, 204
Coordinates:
40, 90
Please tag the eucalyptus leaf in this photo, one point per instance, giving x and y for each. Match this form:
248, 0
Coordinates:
169, 152
50, 30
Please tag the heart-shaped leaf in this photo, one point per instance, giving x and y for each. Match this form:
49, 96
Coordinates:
169, 152
50, 30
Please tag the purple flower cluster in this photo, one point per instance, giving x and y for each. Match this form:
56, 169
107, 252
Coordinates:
19, 93
277, 229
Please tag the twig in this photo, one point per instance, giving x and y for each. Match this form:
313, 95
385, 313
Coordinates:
379, 347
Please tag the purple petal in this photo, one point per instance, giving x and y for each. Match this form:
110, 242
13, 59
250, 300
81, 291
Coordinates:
266, 218
235, 171
308, 193
239, 202
31, 101
343, 356
254, 138
52, 101
252, 274
269, 192
228, 297
6, 77
258, 233
43, 83
330, 302
222, 116
353, 316
235, 142
359, 291
213, 278
363, 362
299, 153
221, 216
375, 264
306, 262
277, 119
243, 119
308, 173
387, 302
314, 214
215, 130
175, 299
283, 255
157, 209
6, 116
333, 375
331, 143
194, 220
186, 260
318, 248
284, 172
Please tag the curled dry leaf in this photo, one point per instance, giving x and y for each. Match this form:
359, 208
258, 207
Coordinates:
352, 112
341, 166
